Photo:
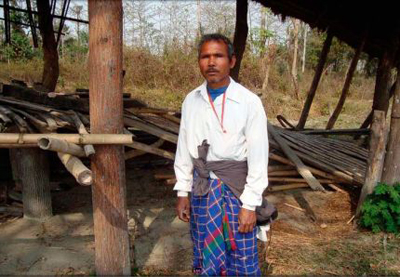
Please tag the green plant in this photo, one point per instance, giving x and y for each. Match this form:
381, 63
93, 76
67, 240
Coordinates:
381, 209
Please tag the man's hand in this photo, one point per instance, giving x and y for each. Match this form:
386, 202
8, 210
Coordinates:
247, 220
183, 208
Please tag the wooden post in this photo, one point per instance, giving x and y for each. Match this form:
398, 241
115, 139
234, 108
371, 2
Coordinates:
241, 31
315, 82
391, 168
106, 116
50, 54
32, 24
376, 155
32, 167
7, 26
346, 86
383, 78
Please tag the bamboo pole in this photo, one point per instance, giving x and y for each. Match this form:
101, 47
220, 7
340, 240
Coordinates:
287, 187
58, 145
114, 139
82, 174
377, 154
301, 168
88, 148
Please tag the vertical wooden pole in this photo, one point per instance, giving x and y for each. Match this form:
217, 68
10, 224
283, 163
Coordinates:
7, 26
31, 167
383, 78
106, 117
376, 156
315, 82
346, 86
240, 38
32, 24
391, 168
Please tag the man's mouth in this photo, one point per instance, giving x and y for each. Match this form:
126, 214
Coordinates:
211, 72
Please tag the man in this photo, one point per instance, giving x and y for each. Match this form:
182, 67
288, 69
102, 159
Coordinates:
222, 158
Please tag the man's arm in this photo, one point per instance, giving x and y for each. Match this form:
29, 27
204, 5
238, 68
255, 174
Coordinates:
257, 159
183, 171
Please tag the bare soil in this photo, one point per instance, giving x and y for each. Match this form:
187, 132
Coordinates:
328, 245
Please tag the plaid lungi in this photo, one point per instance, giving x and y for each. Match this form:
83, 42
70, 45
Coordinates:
218, 247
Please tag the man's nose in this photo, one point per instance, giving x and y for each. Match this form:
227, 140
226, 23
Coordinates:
211, 61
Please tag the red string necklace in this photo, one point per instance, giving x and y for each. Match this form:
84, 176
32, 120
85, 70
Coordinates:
221, 122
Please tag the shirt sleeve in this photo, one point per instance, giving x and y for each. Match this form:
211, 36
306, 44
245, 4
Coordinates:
257, 155
183, 165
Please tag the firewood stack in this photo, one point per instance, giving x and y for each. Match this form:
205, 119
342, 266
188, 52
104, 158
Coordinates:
296, 159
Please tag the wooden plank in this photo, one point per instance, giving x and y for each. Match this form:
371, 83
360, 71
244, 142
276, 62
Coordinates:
152, 150
302, 169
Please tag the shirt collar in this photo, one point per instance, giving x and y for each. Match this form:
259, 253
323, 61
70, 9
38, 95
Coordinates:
232, 91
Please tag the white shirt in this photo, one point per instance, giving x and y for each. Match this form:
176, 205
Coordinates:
246, 138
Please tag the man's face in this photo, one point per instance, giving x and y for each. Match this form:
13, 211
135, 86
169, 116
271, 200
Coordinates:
214, 63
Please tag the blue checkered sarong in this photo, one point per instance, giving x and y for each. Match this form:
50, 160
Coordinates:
217, 250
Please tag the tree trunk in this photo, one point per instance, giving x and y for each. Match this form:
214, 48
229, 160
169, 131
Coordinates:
32, 167
241, 31
106, 117
199, 32
293, 71
315, 82
376, 156
268, 61
303, 59
50, 55
391, 172
346, 86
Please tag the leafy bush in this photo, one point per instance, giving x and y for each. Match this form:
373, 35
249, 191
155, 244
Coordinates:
381, 209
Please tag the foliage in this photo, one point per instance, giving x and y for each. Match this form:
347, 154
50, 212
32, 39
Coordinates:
19, 49
381, 209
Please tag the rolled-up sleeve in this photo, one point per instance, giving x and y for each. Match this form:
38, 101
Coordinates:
257, 155
183, 165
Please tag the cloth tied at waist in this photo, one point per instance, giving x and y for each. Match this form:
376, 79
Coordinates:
231, 173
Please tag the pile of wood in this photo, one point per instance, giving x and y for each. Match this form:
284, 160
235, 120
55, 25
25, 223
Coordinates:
296, 159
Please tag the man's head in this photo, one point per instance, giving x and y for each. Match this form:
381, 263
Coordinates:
216, 59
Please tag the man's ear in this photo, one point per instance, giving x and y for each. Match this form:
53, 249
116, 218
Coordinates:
232, 61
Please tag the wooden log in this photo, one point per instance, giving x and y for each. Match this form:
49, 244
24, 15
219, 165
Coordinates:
81, 173
315, 82
16, 146
301, 168
112, 139
161, 176
391, 168
346, 86
377, 154
33, 170
303, 203
106, 117
58, 145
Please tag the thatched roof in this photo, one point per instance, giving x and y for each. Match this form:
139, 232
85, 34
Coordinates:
347, 20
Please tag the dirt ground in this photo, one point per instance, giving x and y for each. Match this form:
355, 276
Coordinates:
327, 243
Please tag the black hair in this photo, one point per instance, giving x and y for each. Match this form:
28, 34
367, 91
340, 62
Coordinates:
217, 37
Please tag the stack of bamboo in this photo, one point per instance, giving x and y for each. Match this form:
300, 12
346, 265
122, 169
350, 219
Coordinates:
296, 159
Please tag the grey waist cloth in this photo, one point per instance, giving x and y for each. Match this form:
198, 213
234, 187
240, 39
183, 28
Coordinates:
233, 174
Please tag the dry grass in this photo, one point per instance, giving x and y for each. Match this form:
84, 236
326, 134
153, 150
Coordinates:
330, 245
164, 82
